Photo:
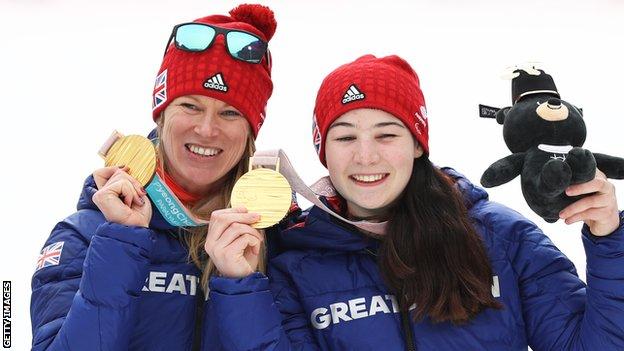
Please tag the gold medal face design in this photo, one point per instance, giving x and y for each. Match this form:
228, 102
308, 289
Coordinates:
263, 191
138, 153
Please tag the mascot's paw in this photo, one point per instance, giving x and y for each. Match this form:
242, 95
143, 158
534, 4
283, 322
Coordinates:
491, 178
583, 165
555, 177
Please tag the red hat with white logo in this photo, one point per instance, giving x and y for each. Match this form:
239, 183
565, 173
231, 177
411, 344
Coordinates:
215, 73
387, 83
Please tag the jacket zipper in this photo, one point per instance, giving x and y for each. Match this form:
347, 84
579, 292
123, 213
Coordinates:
405, 323
407, 330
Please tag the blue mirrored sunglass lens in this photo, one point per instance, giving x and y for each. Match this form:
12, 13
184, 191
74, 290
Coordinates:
194, 37
245, 46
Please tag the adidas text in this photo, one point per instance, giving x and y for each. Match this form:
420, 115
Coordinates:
352, 98
211, 85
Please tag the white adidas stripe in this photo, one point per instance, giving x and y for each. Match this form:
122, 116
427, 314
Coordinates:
218, 76
217, 79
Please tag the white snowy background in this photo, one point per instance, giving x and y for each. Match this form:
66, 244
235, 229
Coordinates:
72, 71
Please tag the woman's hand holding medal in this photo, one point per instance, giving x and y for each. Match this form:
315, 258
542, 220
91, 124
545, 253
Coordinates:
233, 241
232, 244
121, 198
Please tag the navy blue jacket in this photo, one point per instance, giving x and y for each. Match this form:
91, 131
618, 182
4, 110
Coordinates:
117, 287
326, 293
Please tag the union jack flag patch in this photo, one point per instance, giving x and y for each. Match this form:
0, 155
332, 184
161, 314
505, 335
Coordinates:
160, 96
50, 255
316, 136
161, 80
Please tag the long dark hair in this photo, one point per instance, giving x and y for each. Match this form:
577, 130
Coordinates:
431, 255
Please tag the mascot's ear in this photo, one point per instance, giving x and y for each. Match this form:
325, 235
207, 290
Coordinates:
579, 109
502, 114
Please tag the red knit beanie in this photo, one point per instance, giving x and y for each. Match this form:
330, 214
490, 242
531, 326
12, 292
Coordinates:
387, 83
245, 86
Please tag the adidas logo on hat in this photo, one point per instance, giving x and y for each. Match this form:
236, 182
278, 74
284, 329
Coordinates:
216, 83
352, 94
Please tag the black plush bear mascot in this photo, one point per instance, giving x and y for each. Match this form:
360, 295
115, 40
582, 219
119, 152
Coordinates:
545, 135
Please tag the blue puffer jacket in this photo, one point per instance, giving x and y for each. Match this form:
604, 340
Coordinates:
328, 293
116, 287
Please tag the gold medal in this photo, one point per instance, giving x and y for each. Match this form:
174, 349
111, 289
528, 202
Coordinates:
135, 151
263, 191
139, 154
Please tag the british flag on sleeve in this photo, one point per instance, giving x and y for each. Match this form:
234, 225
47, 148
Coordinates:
50, 255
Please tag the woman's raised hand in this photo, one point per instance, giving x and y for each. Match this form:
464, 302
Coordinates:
599, 210
121, 198
232, 244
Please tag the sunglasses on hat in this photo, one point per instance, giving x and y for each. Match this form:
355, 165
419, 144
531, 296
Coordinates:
197, 37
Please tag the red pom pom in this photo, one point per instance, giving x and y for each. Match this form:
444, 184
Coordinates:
258, 16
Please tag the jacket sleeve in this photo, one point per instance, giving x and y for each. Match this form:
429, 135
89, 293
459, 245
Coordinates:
559, 310
256, 315
87, 300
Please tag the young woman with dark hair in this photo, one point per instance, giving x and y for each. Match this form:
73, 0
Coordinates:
451, 271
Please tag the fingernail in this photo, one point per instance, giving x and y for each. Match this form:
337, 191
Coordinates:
122, 166
143, 191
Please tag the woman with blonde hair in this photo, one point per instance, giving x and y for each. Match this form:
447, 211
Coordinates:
117, 275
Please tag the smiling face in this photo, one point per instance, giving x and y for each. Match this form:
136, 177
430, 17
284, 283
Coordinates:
370, 155
203, 139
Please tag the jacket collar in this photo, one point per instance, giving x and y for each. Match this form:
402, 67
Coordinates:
316, 229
